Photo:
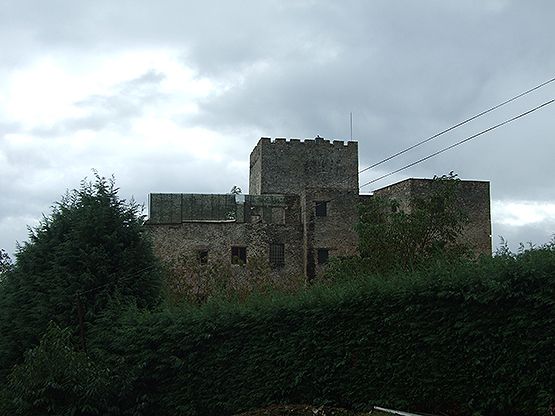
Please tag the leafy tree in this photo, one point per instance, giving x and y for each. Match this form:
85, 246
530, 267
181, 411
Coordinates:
92, 243
235, 190
391, 238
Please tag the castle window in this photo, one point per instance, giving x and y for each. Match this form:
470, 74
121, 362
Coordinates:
278, 215
238, 255
202, 256
321, 208
394, 206
277, 255
323, 255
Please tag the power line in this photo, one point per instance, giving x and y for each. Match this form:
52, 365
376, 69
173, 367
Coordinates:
495, 107
459, 143
312, 218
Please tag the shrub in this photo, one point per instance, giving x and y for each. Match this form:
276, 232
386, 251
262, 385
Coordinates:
54, 379
474, 338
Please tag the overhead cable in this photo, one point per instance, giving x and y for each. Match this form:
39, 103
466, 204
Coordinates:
458, 125
459, 142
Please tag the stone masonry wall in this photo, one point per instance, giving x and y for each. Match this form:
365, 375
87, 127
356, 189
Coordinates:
179, 244
472, 196
320, 171
334, 232
289, 166
260, 220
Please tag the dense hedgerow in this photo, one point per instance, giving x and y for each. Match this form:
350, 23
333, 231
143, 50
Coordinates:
55, 379
469, 338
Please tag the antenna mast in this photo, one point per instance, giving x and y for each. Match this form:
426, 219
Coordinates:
351, 123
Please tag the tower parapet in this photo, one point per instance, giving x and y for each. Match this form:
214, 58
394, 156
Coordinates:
295, 141
289, 166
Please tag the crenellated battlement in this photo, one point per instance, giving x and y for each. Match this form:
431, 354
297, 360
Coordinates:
283, 165
281, 141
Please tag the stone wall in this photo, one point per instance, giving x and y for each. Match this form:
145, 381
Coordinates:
178, 245
472, 196
334, 232
289, 166
179, 235
321, 172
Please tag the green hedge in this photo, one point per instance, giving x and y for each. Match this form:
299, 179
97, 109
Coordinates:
468, 339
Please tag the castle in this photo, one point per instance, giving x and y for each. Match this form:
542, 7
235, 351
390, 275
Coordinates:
300, 211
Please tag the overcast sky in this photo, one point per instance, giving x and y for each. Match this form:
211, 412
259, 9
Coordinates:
171, 96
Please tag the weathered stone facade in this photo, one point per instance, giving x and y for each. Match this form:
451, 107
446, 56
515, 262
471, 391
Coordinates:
324, 175
301, 210
473, 197
253, 222
291, 166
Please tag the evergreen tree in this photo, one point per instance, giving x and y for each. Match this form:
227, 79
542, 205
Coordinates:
91, 245
5, 263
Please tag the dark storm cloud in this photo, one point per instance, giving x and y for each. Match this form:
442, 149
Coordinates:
96, 26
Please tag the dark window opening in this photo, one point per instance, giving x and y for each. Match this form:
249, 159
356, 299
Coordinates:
202, 256
277, 255
323, 255
394, 207
238, 255
322, 209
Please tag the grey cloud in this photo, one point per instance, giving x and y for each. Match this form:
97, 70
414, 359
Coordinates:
129, 101
406, 73
24, 200
296, 69
9, 128
535, 234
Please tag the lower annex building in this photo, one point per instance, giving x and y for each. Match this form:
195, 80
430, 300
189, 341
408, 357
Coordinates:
300, 211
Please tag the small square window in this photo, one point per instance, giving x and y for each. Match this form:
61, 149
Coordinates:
238, 255
278, 215
202, 256
323, 255
321, 208
277, 255
394, 207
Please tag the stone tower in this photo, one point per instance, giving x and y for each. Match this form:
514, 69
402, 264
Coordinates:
324, 174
